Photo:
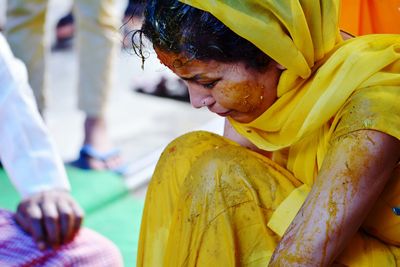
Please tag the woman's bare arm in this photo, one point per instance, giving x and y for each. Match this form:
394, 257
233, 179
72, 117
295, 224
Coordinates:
353, 174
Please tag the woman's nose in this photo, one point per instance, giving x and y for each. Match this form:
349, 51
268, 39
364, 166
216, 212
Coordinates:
200, 97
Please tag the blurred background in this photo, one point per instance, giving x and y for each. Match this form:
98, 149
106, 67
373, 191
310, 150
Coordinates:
140, 124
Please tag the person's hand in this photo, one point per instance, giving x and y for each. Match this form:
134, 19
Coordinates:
52, 218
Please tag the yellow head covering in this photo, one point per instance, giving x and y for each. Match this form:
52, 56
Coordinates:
296, 34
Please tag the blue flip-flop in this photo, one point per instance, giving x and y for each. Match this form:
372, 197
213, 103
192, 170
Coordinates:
88, 151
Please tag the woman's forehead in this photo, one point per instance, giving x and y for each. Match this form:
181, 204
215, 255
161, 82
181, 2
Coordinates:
182, 64
171, 60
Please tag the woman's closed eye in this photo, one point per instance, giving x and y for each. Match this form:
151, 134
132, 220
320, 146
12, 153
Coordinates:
209, 85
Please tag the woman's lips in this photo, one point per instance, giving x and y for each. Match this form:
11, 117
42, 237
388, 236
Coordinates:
220, 111
223, 114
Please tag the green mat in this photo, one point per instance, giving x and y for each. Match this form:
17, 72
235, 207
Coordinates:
110, 209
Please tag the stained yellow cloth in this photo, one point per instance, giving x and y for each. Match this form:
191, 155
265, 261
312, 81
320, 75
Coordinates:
323, 72
209, 203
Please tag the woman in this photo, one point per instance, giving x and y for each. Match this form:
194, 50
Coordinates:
317, 120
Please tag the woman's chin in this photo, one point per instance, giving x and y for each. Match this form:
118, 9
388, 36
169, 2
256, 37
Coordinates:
242, 118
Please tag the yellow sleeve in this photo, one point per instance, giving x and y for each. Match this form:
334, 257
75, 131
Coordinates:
375, 107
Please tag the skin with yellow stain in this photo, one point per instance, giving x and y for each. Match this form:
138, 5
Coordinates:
352, 177
227, 89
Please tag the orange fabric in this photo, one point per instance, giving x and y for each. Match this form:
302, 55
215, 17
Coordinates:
360, 17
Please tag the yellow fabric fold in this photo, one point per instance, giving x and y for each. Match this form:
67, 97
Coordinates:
287, 210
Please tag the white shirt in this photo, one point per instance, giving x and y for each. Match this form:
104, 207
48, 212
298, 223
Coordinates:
27, 152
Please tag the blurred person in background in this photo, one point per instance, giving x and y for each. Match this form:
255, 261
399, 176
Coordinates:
46, 228
97, 24
360, 17
65, 28
166, 85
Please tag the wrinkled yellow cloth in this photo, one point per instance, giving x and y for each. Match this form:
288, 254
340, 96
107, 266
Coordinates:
209, 202
329, 88
322, 73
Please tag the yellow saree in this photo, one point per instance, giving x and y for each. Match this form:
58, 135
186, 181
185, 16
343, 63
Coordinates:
211, 203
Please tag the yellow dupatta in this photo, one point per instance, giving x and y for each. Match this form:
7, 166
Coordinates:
322, 73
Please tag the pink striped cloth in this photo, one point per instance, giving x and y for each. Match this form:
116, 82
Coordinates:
17, 249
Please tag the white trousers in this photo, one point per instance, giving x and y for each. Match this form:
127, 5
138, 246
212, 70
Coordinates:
97, 24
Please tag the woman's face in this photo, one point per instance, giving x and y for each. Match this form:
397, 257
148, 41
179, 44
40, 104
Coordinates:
227, 89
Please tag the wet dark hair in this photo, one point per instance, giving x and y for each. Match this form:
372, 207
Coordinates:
175, 27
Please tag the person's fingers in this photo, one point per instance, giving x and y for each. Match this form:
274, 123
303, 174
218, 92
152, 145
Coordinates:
78, 218
51, 223
34, 216
21, 218
52, 218
67, 221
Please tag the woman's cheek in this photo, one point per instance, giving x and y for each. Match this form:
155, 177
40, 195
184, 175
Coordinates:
232, 100
243, 96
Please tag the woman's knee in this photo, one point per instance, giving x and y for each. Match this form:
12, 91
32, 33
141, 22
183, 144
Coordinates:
179, 156
195, 143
